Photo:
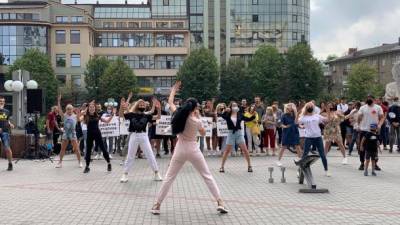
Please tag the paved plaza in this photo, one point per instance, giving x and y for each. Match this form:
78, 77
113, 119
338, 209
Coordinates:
37, 193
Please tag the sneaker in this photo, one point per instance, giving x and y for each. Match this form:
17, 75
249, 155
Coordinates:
59, 165
109, 167
157, 177
377, 168
80, 165
221, 209
344, 161
97, 157
278, 163
361, 167
156, 209
10, 167
86, 170
366, 173
158, 155
373, 173
110, 156
327, 173
124, 178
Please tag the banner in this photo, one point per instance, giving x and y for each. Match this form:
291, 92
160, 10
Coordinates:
222, 127
123, 127
208, 125
163, 126
110, 129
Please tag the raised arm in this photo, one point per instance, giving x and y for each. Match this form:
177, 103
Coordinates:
129, 97
171, 98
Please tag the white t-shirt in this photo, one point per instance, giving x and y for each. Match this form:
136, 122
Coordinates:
311, 125
342, 107
317, 110
370, 115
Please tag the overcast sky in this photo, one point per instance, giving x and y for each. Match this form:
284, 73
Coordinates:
337, 25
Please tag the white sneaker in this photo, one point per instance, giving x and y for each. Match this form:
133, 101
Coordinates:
100, 156
157, 177
327, 173
111, 156
278, 163
59, 165
124, 178
80, 165
345, 162
97, 157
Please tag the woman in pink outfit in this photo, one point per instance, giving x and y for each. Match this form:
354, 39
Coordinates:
186, 123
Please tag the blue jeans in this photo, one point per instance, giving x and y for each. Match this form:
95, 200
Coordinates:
317, 142
5, 139
354, 139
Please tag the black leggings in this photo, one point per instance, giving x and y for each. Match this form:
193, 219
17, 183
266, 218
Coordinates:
95, 137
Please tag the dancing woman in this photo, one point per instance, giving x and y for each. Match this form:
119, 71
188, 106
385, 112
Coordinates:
69, 135
236, 136
91, 118
332, 131
186, 123
138, 135
313, 136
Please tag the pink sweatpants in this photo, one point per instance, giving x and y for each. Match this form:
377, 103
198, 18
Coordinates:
187, 151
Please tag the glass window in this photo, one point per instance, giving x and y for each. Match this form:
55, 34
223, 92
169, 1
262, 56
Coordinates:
146, 25
60, 60
20, 16
108, 24
13, 16
62, 79
255, 2
75, 37
294, 18
133, 24
62, 19
294, 2
76, 81
166, 2
75, 60
76, 19
255, 18
177, 25
162, 24
121, 25
60, 36
294, 35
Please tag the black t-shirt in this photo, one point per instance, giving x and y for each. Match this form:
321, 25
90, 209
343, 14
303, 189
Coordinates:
371, 142
138, 121
4, 120
93, 123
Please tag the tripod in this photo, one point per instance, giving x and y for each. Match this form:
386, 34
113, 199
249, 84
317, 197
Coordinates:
34, 151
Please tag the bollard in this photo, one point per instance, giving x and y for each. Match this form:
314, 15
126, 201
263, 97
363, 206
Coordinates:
270, 180
283, 179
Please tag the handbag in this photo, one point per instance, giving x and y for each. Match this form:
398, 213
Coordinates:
255, 130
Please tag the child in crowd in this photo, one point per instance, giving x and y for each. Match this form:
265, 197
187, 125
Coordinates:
370, 144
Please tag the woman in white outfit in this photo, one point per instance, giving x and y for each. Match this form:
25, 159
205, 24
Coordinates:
138, 135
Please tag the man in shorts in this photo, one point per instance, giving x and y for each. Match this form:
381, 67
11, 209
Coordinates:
5, 127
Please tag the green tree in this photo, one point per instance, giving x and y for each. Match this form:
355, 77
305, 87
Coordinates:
39, 66
95, 69
266, 70
304, 73
117, 81
331, 57
363, 81
235, 82
199, 75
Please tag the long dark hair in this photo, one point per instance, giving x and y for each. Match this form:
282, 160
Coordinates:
181, 114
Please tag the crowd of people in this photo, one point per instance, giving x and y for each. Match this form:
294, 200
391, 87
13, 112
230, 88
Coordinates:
254, 129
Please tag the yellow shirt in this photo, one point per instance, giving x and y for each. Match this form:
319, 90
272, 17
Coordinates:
253, 122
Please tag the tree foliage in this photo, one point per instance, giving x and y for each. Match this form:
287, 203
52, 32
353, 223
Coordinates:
304, 73
39, 66
235, 81
117, 81
199, 75
266, 69
95, 69
363, 81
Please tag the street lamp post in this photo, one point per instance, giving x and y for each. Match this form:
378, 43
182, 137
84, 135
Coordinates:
19, 85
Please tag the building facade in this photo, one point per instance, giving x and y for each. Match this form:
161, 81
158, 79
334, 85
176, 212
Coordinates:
153, 38
381, 57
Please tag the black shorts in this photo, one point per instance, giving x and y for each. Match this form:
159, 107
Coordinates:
371, 154
152, 133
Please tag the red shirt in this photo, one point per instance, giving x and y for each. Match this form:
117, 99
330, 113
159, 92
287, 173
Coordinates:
51, 117
385, 109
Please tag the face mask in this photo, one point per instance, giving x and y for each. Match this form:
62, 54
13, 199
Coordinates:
109, 111
235, 109
310, 110
141, 109
369, 101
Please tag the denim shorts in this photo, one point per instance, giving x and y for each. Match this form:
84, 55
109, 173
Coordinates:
235, 138
5, 139
69, 136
